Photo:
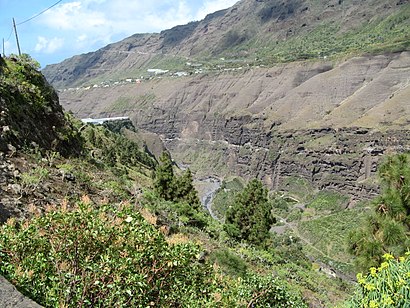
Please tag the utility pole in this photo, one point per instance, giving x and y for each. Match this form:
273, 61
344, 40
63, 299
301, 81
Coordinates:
17, 38
4, 55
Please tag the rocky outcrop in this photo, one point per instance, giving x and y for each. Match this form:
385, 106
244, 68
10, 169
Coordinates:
344, 160
27, 99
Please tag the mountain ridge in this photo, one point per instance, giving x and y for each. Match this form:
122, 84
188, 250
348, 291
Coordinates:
249, 33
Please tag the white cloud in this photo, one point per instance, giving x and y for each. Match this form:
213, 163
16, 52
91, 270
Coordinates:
48, 45
96, 22
90, 24
82, 38
73, 16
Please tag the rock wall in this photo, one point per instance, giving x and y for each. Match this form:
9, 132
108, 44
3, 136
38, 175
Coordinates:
344, 160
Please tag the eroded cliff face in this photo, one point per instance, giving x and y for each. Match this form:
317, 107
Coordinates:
344, 160
327, 122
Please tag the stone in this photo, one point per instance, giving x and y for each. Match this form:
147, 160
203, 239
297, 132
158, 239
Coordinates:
10, 297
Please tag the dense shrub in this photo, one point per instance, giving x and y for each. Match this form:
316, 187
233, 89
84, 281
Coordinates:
104, 256
262, 291
108, 256
114, 149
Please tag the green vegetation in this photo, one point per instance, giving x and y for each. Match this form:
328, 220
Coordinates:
126, 103
328, 234
225, 196
93, 255
34, 177
114, 149
27, 100
249, 218
174, 188
230, 263
387, 229
101, 256
384, 286
180, 191
329, 201
329, 40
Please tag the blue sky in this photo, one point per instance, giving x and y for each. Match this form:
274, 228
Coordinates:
77, 26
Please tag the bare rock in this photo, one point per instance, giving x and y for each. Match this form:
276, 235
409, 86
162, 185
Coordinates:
10, 297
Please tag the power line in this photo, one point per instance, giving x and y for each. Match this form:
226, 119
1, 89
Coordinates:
27, 20
11, 32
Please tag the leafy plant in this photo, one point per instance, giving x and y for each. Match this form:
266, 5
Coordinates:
387, 229
172, 187
385, 286
30, 180
231, 264
101, 256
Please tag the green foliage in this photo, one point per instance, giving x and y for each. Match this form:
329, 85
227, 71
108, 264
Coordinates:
164, 177
27, 100
384, 286
176, 215
265, 291
101, 256
185, 190
388, 228
225, 196
109, 256
118, 125
172, 187
378, 236
328, 40
329, 201
30, 180
250, 217
230, 263
329, 233
395, 198
114, 149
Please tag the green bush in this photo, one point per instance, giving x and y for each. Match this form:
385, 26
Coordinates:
231, 264
249, 218
262, 291
385, 286
101, 256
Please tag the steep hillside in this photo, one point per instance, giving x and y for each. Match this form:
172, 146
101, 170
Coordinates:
362, 91
59, 216
252, 32
272, 89
25, 102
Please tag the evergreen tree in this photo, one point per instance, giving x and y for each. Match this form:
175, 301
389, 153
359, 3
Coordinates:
388, 228
249, 218
164, 177
185, 190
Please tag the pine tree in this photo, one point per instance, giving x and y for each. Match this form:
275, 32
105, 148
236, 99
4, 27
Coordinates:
249, 218
388, 228
185, 190
164, 177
